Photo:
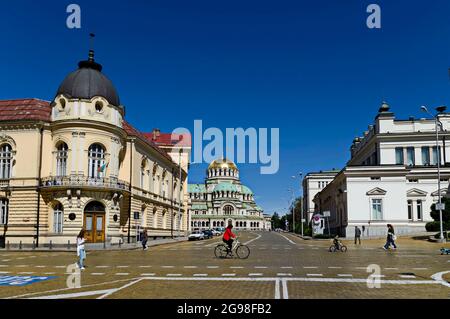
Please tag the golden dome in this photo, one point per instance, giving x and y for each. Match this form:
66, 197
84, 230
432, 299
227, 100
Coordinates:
222, 163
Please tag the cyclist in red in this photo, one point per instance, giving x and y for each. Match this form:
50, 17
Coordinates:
228, 237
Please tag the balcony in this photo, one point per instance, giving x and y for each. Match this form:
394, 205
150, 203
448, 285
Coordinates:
4, 183
84, 181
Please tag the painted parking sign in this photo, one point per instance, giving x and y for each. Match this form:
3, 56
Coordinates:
21, 280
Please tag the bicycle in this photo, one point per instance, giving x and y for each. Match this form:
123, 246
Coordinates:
242, 251
341, 248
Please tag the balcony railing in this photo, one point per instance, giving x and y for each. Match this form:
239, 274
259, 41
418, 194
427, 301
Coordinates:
84, 181
4, 183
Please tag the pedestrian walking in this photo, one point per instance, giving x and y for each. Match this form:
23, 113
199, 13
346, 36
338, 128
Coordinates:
144, 239
357, 235
81, 252
391, 238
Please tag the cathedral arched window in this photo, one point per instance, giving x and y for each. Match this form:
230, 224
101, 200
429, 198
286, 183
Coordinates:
228, 210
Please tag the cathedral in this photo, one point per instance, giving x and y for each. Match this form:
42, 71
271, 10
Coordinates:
223, 199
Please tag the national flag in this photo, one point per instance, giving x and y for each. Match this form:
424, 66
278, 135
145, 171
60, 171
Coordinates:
102, 168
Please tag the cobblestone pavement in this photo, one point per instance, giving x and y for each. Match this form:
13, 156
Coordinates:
280, 266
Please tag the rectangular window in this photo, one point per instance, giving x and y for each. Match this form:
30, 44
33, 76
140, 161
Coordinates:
399, 159
410, 157
3, 211
410, 210
377, 213
58, 221
419, 210
435, 155
426, 155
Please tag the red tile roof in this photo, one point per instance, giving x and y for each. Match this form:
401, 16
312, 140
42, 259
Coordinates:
169, 139
25, 110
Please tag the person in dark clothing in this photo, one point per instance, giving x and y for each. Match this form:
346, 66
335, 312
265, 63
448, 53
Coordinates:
390, 240
357, 235
144, 239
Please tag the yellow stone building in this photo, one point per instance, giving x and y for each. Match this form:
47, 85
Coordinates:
75, 162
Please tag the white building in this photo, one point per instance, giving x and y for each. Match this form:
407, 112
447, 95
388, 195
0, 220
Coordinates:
390, 178
313, 183
223, 199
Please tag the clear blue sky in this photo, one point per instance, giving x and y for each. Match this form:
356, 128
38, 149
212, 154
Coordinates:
311, 68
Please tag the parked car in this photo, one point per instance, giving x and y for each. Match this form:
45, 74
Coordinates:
216, 232
208, 234
196, 235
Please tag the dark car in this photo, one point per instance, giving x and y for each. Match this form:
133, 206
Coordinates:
208, 234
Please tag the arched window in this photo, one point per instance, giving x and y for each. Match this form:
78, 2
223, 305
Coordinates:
3, 211
143, 166
61, 159
228, 210
97, 164
58, 217
155, 220
5, 161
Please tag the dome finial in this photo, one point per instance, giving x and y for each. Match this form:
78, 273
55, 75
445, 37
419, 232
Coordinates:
91, 47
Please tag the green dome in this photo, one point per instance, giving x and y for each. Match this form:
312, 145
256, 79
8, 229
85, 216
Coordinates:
246, 190
226, 187
196, 188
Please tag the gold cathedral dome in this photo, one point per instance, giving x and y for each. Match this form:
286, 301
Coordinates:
222, 163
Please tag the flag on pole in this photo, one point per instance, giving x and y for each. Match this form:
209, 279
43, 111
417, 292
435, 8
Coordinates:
103, 167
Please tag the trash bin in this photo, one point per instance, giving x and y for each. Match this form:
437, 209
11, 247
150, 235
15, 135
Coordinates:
2, 242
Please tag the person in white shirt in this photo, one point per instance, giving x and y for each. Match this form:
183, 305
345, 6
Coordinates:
80, 249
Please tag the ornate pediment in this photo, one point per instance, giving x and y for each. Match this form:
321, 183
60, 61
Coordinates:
415, 192
443, 192
376, 191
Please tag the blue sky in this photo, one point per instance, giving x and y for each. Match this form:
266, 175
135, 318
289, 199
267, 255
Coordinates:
311, 68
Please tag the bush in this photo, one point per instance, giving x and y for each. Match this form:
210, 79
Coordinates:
322, 236
435, 226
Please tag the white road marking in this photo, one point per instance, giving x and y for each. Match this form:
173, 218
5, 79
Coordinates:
236, 267
97, 273
168, 266
310, 267
252, 240
120, 288
173, 275
255, 274
288, 239
420, 268
39, 266
314, 275
22, 266
438, 278
391, 268
285, 289
4, 272
6, 260
345, 275
200, 275
228, 275
102, 266
364, 268
190, 267
260, 267
75, 295
334, 267
287, 267
26, 273
60, 266
407, 276
123, 266
277, 289
49, 273
283, 274
145, 266
212, 267
122, 274
3, 266
148, 274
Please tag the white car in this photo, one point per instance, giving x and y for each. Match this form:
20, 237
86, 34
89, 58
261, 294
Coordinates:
216, 232
196, 235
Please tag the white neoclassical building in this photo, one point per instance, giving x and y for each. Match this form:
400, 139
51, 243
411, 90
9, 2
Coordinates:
391, 177
222, 199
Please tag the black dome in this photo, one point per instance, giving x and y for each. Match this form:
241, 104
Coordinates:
88, 81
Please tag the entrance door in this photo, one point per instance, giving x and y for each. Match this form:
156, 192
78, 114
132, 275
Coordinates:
94, 222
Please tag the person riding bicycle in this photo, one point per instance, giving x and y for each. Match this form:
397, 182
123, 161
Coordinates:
337, 242
228, 237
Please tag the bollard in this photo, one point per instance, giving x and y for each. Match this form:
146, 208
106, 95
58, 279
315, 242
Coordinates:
50, 246
120, 243
7, 245
104, 244
68, 245
34, 245
20, 245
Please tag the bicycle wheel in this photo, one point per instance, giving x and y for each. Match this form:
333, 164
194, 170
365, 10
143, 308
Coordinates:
221, 251
243, 251
343, 248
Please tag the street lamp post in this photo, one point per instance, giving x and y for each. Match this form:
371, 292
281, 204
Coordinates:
179, 195
438, 151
